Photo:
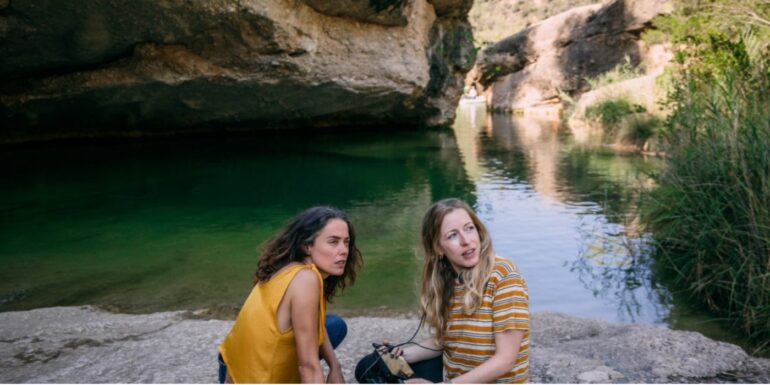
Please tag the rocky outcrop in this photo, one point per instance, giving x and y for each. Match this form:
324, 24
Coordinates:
645, 92
70, 344
142, 67
536, 65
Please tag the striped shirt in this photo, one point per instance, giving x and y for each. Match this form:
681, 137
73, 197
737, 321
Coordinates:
470, 339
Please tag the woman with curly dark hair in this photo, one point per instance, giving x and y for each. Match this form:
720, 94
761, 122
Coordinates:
282, 327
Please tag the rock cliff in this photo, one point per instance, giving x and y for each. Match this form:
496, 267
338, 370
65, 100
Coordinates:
118, 67
533, 67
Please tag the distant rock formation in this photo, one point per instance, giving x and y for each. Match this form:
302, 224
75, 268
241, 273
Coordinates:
533, 67
103, 67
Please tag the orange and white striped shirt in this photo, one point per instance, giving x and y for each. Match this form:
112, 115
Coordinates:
470, 339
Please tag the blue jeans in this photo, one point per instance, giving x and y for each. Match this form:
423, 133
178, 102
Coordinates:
336, 328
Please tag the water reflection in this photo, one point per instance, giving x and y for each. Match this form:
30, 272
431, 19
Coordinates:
563, 213
154, 226
159, 226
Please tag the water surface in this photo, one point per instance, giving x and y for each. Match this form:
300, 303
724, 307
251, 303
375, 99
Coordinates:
165, 225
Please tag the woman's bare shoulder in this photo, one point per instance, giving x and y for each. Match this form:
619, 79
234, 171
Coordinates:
305, 280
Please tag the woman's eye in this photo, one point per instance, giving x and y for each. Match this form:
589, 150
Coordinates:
451, 236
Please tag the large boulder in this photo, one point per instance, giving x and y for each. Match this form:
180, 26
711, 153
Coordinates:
108, 67
555, 57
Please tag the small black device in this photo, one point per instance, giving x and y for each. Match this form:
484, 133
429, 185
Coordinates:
380, 368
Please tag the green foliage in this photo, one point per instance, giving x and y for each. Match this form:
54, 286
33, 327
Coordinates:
568, 103
471, 54
620, 72
494, 20
694, 22
639, 128
610, 112
654, 36
624, 122
710, 214
456, 46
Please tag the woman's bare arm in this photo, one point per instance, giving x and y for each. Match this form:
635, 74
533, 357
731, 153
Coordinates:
414, 353
304, 293
335, 369
507, 344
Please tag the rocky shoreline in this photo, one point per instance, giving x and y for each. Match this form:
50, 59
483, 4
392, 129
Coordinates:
84, 344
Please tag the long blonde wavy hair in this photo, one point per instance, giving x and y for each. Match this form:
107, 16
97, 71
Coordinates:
438, 275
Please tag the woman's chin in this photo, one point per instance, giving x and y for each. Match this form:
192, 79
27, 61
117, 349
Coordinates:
467, 264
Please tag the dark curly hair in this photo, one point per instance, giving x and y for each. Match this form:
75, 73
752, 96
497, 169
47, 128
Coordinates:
291, 242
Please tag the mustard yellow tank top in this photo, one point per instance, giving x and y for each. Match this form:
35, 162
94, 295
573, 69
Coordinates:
255, 351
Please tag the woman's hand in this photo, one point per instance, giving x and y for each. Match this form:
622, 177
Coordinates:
412, 351
335, 376
394, 351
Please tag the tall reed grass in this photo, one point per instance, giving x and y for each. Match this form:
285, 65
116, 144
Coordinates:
710, 211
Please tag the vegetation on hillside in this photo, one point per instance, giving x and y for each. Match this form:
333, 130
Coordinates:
621, 119
494, 20
623, 71
710, 211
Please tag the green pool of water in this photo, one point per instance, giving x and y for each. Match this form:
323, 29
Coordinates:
176, 224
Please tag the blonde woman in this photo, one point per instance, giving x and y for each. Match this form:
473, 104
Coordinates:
475, 303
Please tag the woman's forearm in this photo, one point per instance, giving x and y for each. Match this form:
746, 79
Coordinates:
327, 353
428, 350
507, 346
311, 372
492, 369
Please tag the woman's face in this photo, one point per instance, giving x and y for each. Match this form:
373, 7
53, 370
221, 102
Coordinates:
329, 250
459, 240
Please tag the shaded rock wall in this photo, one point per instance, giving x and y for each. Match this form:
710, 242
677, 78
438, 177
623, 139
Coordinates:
532, 67
110, 67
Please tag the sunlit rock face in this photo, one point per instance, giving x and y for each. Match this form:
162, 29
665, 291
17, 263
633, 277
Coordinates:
538, 65
140, 67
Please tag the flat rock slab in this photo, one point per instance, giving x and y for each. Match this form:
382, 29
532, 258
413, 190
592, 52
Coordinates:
84, 344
